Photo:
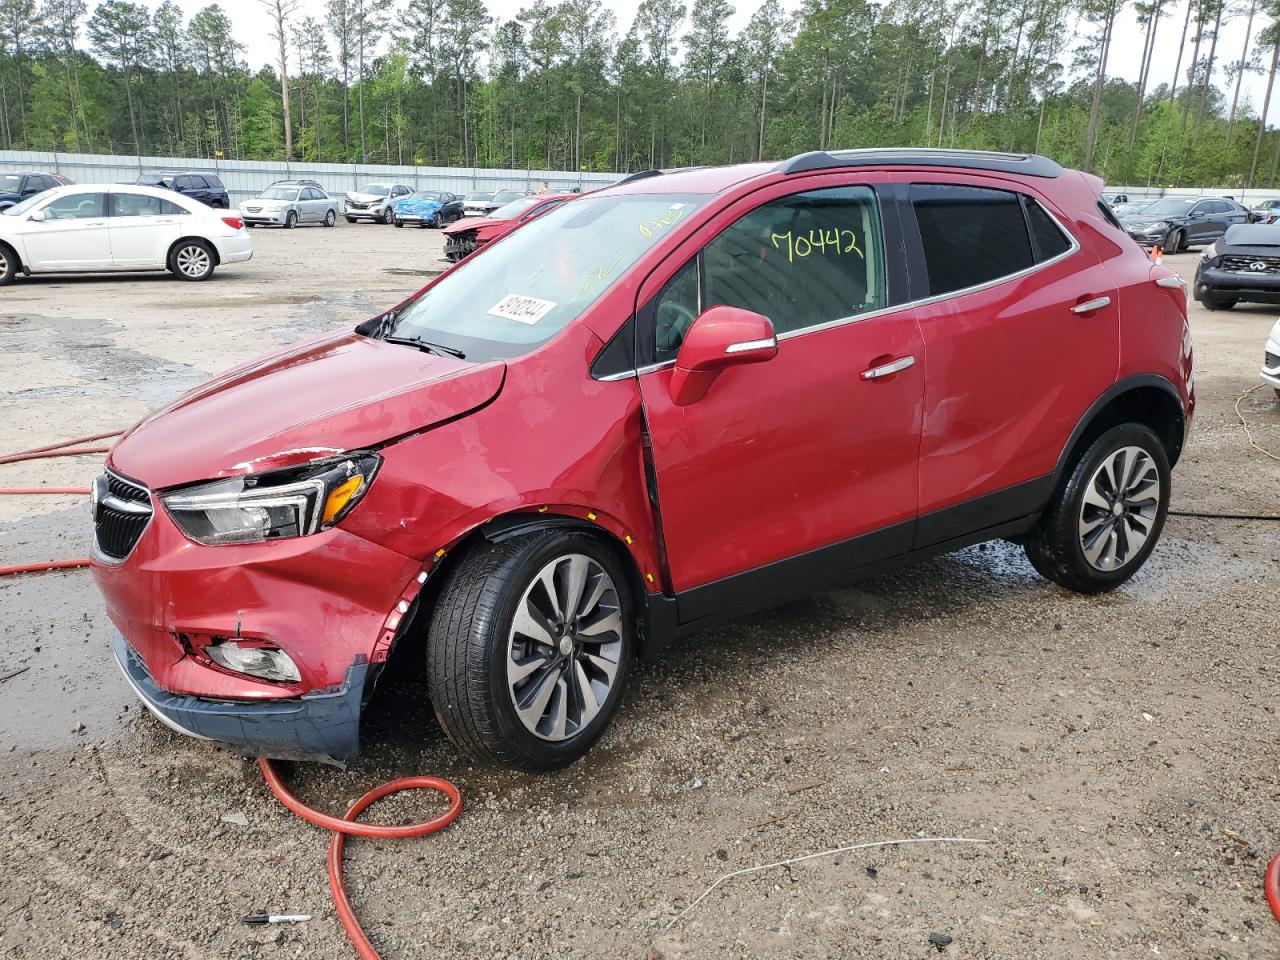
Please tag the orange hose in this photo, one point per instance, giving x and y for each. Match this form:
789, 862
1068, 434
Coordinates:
46, 454
42, 567
40, 491
346, 825
1271, 886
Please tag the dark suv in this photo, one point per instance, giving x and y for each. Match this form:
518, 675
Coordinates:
1175, 223
205, 187
16, 187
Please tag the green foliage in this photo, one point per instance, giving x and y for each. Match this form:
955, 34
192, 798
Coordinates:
557, 86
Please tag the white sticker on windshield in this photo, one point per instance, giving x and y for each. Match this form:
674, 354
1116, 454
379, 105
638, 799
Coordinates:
521, 309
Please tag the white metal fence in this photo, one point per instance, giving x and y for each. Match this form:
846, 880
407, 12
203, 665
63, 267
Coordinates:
244, 178
1247, 197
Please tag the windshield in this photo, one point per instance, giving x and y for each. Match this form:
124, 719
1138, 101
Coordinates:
1170, 207
521, 292
506, 196
426, 195
378, 188
279, 193
516, 207
479, 197
18, 209
152, 181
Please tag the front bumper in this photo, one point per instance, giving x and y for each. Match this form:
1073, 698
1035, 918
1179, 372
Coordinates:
1230, 285
322, 726
455, 249
363, 213
416, 217
276, 217
1271, 362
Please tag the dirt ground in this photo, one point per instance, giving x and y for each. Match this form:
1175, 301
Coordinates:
1117, 754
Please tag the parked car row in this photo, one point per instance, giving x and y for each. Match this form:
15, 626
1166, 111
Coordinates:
471, 233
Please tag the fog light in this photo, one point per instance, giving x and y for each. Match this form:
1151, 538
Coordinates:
270, 663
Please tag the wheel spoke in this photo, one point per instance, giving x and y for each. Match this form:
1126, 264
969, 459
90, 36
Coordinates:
1093, 497
517, 670
606, 666
548, 580
611, 622
529, 623
575, 581
537, 695
589, 705
597, 591
1093, 548
559, 712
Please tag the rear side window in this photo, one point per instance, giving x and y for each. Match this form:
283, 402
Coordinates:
1046, 236
971, 235
1109, 215
212, 181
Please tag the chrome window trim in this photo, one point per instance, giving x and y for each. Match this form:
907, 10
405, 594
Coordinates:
909, 305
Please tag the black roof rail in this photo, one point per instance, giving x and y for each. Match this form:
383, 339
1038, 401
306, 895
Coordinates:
642, 175
1029, 164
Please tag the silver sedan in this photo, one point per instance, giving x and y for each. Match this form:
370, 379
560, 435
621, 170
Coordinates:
289, 203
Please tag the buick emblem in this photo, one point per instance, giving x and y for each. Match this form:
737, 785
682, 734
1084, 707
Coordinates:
1257, 265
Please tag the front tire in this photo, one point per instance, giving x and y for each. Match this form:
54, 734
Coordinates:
1175, 242
192, 260
330, 218
8, 265
1210, 303
290, 220
1106, 519
529, 648
387, 215
398, 222
351, 219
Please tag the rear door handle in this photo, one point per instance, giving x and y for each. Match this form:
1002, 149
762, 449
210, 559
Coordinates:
1089, 306
889, 369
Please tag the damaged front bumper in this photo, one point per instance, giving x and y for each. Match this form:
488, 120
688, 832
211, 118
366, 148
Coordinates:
322, 726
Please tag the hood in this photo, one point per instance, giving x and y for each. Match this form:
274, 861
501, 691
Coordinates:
416, 204
466, 223
366, 197
324, 396
1144, 221
1259, 239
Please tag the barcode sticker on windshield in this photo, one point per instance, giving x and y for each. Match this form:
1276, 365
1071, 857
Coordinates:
521, 309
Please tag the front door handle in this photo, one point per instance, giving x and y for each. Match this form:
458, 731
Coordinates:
888, 369
1089, 306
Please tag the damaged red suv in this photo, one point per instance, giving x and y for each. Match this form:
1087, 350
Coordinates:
687, 396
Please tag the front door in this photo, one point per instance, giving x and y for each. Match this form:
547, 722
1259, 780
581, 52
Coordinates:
72, 236
809, 458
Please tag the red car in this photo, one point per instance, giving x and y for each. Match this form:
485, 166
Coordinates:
469, 234
666, 403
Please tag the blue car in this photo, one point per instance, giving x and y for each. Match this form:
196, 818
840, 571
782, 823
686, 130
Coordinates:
424, 208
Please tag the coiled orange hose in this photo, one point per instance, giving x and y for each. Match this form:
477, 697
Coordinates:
346, 825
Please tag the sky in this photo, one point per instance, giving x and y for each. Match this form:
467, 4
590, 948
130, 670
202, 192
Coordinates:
252, 30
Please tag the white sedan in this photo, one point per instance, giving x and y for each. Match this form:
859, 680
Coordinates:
90, 228
1271, 359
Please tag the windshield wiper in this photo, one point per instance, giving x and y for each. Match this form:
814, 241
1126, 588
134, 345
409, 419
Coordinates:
437, 348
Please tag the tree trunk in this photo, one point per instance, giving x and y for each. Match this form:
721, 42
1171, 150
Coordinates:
1148, 48
1244, 56
1195, 72
764, 100
1182, 46
1104, 51
284, 89
1208, 73
1262, 119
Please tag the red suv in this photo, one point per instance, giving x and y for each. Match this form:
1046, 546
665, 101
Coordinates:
687, 396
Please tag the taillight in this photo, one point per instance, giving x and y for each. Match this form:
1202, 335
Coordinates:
235, 223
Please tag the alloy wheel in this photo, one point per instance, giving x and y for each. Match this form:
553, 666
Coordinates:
1119, 510
193, 261
564, 647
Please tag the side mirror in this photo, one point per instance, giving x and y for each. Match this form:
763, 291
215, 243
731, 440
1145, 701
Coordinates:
721, 337
38, 216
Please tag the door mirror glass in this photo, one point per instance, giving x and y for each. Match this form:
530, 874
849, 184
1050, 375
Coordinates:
721, 337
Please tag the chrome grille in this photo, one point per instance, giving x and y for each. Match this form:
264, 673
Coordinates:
121, 511
1259, 265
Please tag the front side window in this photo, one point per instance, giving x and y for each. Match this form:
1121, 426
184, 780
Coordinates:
76, 206
803, 260
523, 291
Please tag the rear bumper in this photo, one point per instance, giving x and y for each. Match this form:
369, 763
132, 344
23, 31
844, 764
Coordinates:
322, 726
234, 249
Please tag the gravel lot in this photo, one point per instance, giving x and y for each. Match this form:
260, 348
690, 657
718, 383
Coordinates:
1118, 754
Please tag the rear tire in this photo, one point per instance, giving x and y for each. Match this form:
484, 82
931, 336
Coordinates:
499, 637
192, 260
8, 264
1106, 519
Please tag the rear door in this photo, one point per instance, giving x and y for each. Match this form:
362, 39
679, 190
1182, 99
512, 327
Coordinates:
73, 235
143, 228
799, 459
1021, 335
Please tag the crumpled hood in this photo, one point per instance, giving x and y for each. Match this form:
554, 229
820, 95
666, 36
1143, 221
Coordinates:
366, 197
1145, 221
466, 223
318, 398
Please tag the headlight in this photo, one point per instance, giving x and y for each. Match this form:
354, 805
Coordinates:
1210, 251
1160, 227
270, 506
270, 663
